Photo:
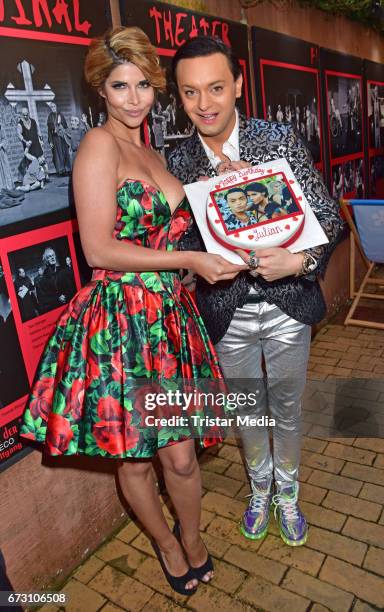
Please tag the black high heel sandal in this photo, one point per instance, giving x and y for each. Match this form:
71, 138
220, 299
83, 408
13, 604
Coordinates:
177, 583
198, 572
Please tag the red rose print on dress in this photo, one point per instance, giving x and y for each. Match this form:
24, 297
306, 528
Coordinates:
99, 321
93, 370
146, 354
59, 434
179, 224
42, 398
114, 433
147, 220
173, 330
195, 343
153, 308
163, 362
74, 400
134, 297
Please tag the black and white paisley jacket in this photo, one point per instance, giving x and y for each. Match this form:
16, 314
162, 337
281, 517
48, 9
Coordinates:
261, 141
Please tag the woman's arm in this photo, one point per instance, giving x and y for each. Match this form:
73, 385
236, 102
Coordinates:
94, 182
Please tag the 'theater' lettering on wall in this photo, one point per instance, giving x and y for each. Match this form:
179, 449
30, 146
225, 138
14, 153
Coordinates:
44, 12
176, 28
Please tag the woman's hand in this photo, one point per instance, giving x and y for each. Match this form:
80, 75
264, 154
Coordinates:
273, 263
188, 280
214, 268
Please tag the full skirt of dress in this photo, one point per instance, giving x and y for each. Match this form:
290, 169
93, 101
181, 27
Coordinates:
122, 337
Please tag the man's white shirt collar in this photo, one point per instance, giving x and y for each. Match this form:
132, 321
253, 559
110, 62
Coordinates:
231, 147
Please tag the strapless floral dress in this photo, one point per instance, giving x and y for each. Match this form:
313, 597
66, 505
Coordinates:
122, 336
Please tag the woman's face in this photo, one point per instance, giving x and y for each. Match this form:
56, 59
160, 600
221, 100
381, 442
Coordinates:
128, 95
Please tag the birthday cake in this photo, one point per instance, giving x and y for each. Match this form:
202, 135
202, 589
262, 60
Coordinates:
258, 207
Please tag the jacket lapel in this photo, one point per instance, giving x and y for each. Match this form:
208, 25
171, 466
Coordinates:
242, 135
199, 162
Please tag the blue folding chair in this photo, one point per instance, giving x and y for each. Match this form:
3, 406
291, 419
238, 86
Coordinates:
367, 235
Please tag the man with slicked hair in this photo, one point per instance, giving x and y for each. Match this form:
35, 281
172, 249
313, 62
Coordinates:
266, 312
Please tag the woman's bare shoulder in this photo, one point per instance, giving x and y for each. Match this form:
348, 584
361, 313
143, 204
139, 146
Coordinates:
99, 137
98, 151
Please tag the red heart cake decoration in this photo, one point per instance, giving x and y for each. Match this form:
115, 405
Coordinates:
291, 182
299, 198
245, 178
210, 204
237, 235
217, 221
218, 186
250, 236
295, 218
287, 227
270, 171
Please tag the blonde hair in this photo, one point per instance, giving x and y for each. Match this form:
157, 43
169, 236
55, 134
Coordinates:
117, 46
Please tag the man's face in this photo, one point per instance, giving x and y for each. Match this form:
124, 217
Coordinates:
237, 202
75, 123
21, 272
51, 257
257, 197
53, 107
208, 92
25, 113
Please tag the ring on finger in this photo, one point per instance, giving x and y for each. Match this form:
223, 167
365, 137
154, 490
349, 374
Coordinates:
253, 262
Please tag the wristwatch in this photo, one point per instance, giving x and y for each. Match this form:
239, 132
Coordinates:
309, 264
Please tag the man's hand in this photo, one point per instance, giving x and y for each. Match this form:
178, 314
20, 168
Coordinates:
231, 166
274, 263
22, 291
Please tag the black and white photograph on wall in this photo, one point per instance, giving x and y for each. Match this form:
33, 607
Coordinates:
348, 179
43, 277
376, 177
348, 171
168, 125
337, 181
375, 105
359, 178
291, 94
344, 109
44, 113
13, 377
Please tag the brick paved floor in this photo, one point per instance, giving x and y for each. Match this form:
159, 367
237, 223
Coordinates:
341, 567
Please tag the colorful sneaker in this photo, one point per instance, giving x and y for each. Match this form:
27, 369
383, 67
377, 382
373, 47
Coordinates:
292, 524
255, 520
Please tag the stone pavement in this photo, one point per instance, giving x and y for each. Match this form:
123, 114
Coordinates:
340, 568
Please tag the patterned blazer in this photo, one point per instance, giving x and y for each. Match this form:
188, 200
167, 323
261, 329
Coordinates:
300, 297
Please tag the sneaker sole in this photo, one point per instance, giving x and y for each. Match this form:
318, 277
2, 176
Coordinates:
249, 536
293, 542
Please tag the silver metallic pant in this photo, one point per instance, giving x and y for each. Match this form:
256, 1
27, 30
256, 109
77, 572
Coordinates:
263, 330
